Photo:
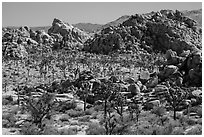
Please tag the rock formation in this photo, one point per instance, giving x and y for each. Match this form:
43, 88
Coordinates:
162, 30
67, 31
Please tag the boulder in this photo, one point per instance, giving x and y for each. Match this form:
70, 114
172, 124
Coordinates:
14, 50
172, 58
129, 80
31, 41
105, 43
152, 82
160, 90
168, 71
67, 31
134, 89
197, 93
185, 53
151, 104
144, 76
192, 68
139, 83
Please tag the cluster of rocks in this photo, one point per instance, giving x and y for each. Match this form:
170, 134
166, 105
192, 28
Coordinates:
14, 51
149, 90
158, 30
59, 35
183, 70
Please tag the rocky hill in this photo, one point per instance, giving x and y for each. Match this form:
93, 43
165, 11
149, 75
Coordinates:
89, 27
161, 31
60, 35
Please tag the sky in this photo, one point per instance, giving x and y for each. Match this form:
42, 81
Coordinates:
43, 13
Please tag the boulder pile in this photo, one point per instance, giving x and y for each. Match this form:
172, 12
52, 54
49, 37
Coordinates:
14, 51
161, 31
59, 35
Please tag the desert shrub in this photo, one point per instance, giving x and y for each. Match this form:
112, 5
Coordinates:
79, 109
50, 130
89, 111
95, 129
159, 111
169, 127
75, 113
63, 106
190, 121
84, 119
98, 108
69, 131
5, 123
178, 131
143, 130
7, 99
196, 109
10, 117
196, 130
123, 124
199, 121
168, 130
64, 117
151, 118
199, 112
30, 129
15, 109
94, 115
186, 121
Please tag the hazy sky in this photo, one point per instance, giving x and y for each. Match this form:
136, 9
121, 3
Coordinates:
43, 13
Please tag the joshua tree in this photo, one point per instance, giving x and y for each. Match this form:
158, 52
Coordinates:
175, 97
118, 103
86, 89
28, 64
107, 93
39, 109
134, 107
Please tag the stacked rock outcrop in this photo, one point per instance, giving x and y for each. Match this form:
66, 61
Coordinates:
162, 30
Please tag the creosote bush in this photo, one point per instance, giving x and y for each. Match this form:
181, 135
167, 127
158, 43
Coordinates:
95, 129
75, 113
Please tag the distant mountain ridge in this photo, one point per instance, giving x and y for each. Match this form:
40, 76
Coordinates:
194, 14
90, 28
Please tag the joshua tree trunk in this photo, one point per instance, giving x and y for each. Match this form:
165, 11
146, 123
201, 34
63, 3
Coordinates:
5, 86
105, 109
64, 72
27, 79
174, 113
53, 76
85, 104
18, 96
